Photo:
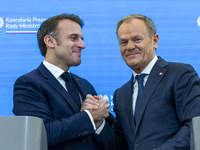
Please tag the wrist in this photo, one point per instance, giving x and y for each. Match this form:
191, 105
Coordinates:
98, 123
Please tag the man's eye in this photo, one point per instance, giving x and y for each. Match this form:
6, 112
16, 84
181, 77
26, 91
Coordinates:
123, 43
73, 38
138, 40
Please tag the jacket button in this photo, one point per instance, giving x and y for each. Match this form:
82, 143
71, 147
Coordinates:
84, 140
136, 145
85, 133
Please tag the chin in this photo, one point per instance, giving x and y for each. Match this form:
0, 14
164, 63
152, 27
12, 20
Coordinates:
77, 63
131, 64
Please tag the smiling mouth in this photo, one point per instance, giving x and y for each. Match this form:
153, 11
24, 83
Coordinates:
132, 54
77, 52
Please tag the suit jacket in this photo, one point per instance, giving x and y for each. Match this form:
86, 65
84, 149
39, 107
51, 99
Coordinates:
39, 94
170, 99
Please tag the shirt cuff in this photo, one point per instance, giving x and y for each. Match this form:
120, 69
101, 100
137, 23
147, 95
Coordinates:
98, 131
92, 121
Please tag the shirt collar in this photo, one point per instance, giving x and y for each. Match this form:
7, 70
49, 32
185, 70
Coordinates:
56, 71
147, 70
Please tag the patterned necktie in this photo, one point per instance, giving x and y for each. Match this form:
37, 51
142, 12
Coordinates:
139, 78
72, 88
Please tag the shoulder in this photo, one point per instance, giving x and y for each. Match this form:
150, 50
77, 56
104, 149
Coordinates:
164, 63
37, 75
28, 76
174, 66
181, 68
34, 77
180, 73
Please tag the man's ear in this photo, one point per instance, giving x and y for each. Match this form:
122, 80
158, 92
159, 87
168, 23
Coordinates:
49, 41
155, 40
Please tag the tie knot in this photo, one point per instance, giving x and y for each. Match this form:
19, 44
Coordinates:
66, 76
140, 77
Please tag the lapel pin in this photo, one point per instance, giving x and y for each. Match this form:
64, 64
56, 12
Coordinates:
78, 79
160, 73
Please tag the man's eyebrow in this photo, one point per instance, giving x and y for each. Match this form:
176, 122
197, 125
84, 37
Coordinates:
73, 34
76, 35
122, 39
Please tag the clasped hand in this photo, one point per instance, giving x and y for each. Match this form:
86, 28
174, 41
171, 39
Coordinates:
98, 108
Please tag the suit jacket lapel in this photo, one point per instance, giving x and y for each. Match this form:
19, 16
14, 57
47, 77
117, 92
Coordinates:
124, 96
81, 86
51, 80
156, 74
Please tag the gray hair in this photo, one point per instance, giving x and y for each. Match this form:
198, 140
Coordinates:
149, 23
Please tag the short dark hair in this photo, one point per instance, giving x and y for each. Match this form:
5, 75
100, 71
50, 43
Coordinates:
149, 23
49, 27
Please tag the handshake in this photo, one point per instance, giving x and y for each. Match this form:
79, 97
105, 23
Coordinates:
98, 108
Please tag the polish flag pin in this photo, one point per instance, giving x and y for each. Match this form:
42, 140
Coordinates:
160, 73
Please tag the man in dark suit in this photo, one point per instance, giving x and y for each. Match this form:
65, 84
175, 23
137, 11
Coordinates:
159, 115
44, 92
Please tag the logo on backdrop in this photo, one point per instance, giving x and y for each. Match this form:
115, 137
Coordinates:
198, 22
21, 25
110, 101
1, 22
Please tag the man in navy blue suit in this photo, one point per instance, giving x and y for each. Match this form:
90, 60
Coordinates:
44, 92
169, 94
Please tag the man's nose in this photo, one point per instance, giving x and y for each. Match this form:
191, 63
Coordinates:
81, 44
130, 45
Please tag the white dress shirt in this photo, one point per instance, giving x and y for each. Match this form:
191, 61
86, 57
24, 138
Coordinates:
147, 71
56, 71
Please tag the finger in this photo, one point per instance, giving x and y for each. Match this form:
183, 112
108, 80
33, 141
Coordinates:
98, 97
108, 106
103, 101
92, 102
88, 107
91, 97
89, 102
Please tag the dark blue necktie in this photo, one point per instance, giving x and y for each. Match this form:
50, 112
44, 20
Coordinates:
139, 79
72, 88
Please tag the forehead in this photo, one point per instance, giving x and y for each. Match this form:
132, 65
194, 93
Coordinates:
134, 27
67, 27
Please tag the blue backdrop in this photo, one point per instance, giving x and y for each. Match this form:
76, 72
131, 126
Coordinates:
177, 22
